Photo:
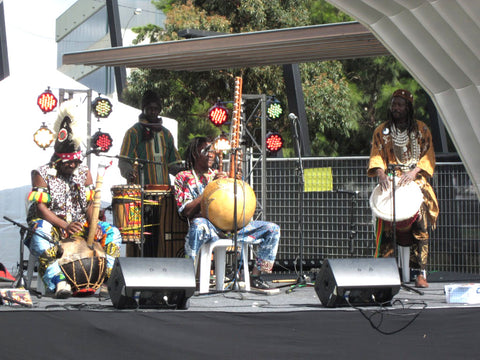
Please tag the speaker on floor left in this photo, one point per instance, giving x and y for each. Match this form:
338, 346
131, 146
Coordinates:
151, 283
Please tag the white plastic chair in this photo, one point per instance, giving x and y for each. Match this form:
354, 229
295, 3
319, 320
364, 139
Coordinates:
32, 261
219, 248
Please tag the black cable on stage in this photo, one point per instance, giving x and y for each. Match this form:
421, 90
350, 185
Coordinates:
383, 311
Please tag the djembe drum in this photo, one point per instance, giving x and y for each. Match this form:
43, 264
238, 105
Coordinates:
84, 267
154, 201
167, 228
408, 200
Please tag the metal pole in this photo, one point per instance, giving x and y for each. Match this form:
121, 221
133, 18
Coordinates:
264, 156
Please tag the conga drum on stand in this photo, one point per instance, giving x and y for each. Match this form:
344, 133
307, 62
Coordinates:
408, 199
126, 208
172, 229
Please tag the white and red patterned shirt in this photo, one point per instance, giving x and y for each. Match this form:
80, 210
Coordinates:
188, 186
68, 194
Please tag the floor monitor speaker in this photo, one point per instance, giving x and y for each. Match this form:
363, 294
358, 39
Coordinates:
365, 281
151, 283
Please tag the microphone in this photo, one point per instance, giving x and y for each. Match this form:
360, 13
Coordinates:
206, 149
292, 117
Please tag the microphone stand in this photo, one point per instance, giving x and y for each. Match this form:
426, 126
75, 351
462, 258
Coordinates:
235, 223
392, 170
301, 280
20, 277
142, 206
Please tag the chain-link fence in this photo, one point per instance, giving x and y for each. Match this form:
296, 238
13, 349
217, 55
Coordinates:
339, 223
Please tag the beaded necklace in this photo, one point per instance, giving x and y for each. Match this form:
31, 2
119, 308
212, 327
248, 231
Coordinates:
405, 156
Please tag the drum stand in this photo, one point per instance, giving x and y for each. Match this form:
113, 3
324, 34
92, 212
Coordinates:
391, 169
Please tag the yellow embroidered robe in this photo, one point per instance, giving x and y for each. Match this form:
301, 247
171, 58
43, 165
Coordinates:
382, 154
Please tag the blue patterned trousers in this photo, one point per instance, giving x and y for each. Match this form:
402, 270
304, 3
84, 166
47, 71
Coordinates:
46, 252
264, 234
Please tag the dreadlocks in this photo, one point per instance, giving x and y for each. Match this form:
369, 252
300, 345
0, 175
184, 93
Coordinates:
192, 152
412, 124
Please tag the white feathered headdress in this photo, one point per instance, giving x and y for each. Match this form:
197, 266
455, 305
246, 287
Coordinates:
66, 127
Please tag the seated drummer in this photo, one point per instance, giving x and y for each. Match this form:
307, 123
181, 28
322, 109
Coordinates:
189, 186
149, 140
61, 205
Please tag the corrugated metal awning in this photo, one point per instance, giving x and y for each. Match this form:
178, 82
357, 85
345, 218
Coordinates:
272, 47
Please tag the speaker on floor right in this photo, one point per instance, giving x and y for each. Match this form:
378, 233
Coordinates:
362, 282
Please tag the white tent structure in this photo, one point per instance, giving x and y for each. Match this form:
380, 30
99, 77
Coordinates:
438, 41
22, 155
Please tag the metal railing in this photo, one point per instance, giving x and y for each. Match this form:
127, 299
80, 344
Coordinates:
340, 224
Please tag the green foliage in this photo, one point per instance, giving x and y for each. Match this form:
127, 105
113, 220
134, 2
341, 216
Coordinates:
329, 107
322, 12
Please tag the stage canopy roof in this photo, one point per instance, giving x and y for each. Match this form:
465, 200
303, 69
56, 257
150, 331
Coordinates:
273, 47
436, 40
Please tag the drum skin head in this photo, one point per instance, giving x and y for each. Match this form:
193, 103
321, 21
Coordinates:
408, 199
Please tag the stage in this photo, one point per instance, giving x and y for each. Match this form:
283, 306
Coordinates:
239, 325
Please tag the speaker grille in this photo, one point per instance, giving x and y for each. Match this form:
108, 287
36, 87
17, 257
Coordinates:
343, 282
151, 283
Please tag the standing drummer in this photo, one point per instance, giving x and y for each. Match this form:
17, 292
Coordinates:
405, 145
149, 140
61, 206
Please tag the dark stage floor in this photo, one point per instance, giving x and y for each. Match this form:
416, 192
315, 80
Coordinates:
239, 325
303, 298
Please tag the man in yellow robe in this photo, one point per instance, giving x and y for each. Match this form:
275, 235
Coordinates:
404, 145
